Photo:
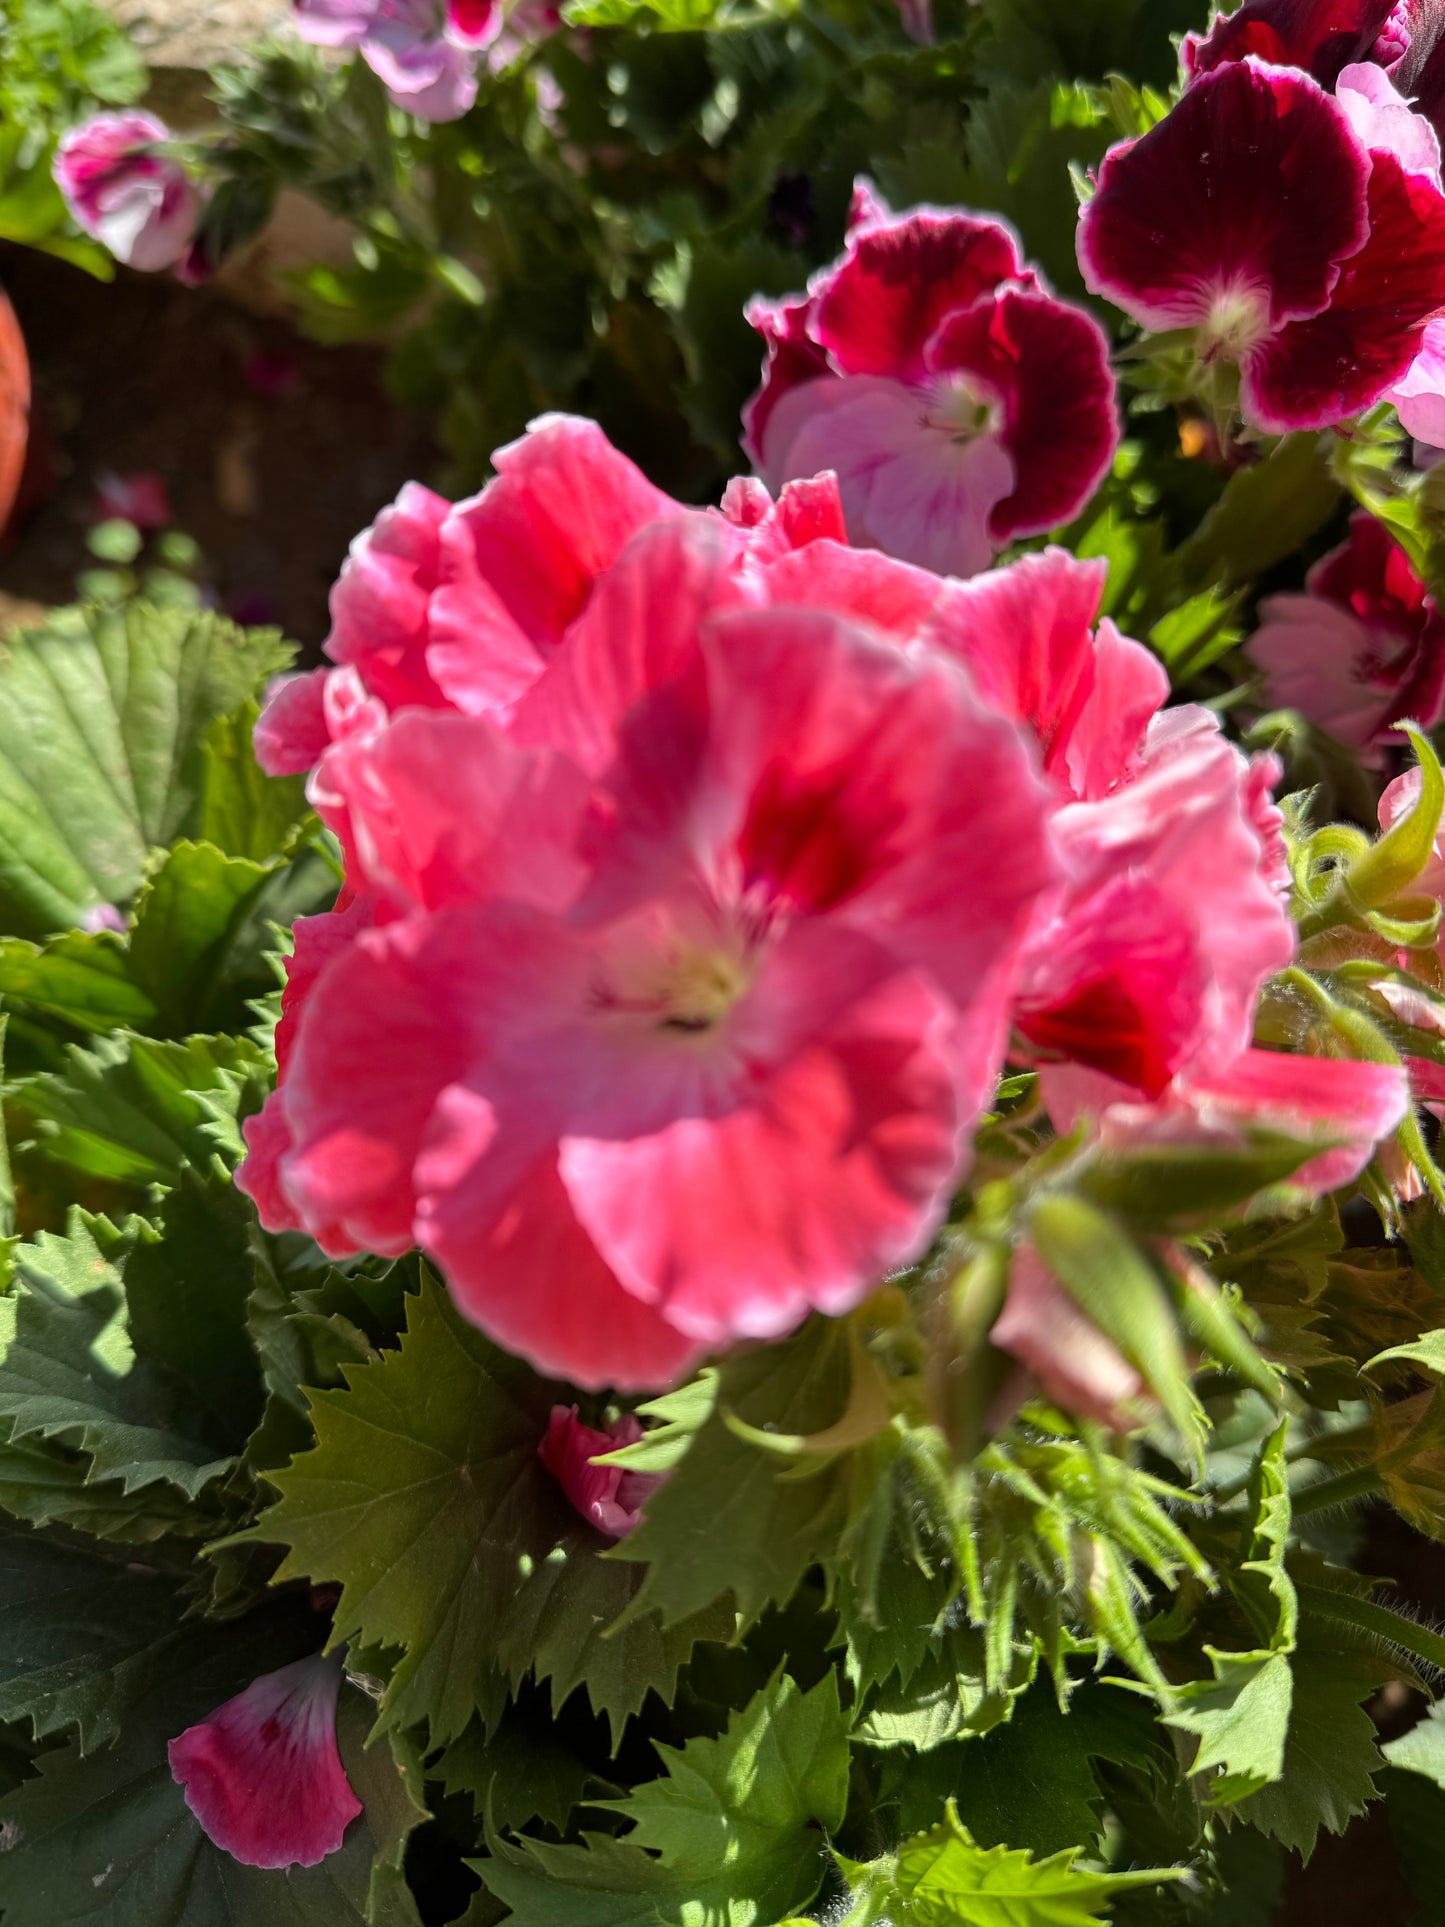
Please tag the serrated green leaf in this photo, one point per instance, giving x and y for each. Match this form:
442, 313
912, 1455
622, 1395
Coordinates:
85, 1634
191, 909
1266, 511
1241, 1716
108, 1841
47, 1484
726, 1521
69, 1372
102, 716
83, 978
240, 809
140, 1110
947, 1696
943, 1877
1427, 1351
731, 1835
1330, 1754
1029, 1783
522, 1771
425, 1500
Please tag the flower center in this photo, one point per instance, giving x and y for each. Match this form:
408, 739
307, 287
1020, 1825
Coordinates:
1238, 320
699, 988
961, 410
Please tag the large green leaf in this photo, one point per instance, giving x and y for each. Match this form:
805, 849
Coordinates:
86, 1633
425, 1500
103, 715
193, 913
139, 1110
240, 809
69, 1371
727, 1837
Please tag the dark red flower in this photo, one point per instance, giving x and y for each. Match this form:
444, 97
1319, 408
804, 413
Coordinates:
1256, 217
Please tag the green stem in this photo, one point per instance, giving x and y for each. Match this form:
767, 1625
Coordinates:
1384, 1624
1343, 1489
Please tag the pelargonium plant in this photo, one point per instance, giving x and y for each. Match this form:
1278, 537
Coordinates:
739, 1222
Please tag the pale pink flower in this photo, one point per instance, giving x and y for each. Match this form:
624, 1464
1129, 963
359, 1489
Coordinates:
1362, 649
424, 52
672, 1025
263, 1775
122, 189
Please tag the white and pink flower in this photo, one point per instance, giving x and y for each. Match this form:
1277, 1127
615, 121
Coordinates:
125, 190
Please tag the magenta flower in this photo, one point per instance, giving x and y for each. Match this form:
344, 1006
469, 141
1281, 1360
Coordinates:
1362, 649
607, 1496
664, 1020
1255, 217
424, 52
263, 1775
124, 192
959, 403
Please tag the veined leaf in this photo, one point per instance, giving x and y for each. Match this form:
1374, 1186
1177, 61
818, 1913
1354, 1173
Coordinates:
103, 713
731, 1833
425, 1500
943, 1877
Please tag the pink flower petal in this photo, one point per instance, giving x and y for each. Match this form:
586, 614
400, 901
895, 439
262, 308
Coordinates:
1322, 36
1381, 117
291, 734
835, 1170
381, 600
263, 1775
1419, 394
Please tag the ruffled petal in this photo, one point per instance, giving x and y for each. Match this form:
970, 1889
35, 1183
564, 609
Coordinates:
263, 1775
291, 735
607, 1497
875, 313
1382, 119
1048, 364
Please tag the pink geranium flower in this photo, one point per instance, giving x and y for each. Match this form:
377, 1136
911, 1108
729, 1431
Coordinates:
122, 188
1255, 217
607, 1496
423, 51
959, 403
464, 606
263, 1775
1363, 648
665, 1019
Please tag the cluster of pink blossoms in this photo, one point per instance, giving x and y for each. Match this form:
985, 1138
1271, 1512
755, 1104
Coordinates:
1294, 232
699, 867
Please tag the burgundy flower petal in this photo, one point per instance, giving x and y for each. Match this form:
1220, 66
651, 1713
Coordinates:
263, 1775
1318, 371
876, 312
1048, 363
1321, 36
1252, 190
